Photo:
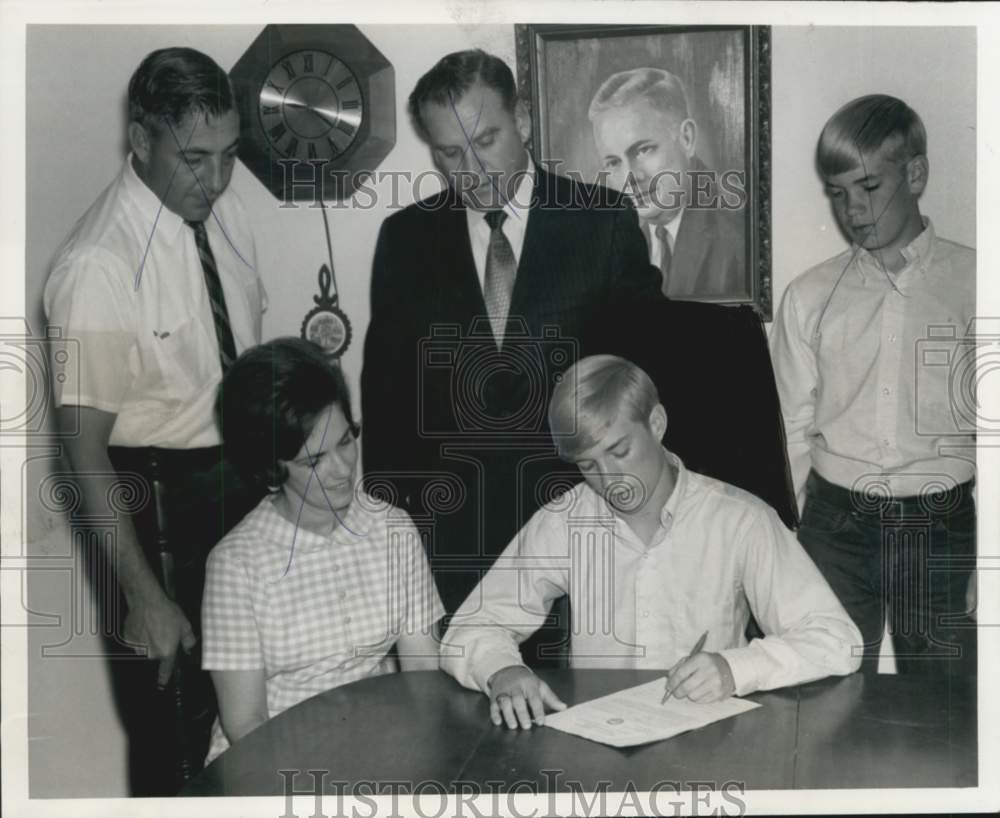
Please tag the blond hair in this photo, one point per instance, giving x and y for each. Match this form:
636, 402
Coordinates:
590, 397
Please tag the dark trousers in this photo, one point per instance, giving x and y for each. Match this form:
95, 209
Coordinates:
907, 558
201, 499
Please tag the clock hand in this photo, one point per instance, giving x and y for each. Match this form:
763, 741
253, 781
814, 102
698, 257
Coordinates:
322, 113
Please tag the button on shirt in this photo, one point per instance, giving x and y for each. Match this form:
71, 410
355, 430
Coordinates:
719, 554
127, 294
864, 359
314, 612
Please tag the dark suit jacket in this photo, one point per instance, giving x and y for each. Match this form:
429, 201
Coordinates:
709, 255
712, 368
454, 432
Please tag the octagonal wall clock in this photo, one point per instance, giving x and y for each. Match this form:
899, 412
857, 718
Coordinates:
317, 110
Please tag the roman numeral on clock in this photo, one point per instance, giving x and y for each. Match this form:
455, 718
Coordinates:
277, 132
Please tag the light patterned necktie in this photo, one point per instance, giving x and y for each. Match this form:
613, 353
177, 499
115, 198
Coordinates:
666, 255
501, 269
216, 297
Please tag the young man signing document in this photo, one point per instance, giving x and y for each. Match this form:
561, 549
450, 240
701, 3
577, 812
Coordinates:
652, 556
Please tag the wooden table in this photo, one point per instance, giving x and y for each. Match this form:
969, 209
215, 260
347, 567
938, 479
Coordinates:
858, 731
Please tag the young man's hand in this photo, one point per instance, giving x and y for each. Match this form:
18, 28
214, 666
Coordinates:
518, 696
704, 677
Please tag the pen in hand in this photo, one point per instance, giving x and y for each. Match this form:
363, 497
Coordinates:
694, 651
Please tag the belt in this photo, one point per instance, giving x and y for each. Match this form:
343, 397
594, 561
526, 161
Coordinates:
168, 461
932, 504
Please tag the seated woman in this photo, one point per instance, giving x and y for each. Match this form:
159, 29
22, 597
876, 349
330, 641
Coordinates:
317, 584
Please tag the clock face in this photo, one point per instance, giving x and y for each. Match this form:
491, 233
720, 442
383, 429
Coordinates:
314, 94
310, 106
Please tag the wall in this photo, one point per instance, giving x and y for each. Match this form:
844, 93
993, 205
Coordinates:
75, 145
815, 71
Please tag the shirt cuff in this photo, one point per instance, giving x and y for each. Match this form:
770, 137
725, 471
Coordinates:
741, 665
498, 661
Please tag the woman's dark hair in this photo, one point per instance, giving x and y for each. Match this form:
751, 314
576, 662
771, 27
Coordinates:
268, 401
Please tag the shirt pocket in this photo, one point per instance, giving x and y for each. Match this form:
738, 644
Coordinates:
184, 358
849, 325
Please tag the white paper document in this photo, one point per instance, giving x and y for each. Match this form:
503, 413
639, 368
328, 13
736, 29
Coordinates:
635, 716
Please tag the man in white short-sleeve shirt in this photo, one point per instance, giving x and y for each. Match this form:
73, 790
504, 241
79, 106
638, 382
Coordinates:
156, 291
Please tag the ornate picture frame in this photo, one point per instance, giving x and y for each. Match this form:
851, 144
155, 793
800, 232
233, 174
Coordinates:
725, 73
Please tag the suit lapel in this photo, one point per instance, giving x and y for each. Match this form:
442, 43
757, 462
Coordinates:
545, 253
455, 274
694, 243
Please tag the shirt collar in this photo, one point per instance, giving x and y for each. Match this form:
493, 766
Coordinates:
919, 249
917, 254
670, 508
517, 208
355, 525
154, 214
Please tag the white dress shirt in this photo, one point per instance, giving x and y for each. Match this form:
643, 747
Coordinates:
720, 552
518, 209
864, 362
127, 293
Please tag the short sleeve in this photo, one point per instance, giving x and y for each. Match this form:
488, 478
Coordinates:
90, 316
230, 637
423, 604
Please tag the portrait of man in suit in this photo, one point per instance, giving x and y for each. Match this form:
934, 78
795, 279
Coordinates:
481, 296
692, 216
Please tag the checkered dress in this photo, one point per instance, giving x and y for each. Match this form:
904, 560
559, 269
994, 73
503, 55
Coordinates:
317, 614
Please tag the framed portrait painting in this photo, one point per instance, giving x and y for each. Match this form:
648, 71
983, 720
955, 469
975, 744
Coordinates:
677, 117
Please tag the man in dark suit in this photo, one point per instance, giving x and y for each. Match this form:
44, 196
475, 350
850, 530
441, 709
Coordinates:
693, 217
481, 297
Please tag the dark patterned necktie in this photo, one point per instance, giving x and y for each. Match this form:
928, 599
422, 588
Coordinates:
666, 256
501, 269
216, 297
